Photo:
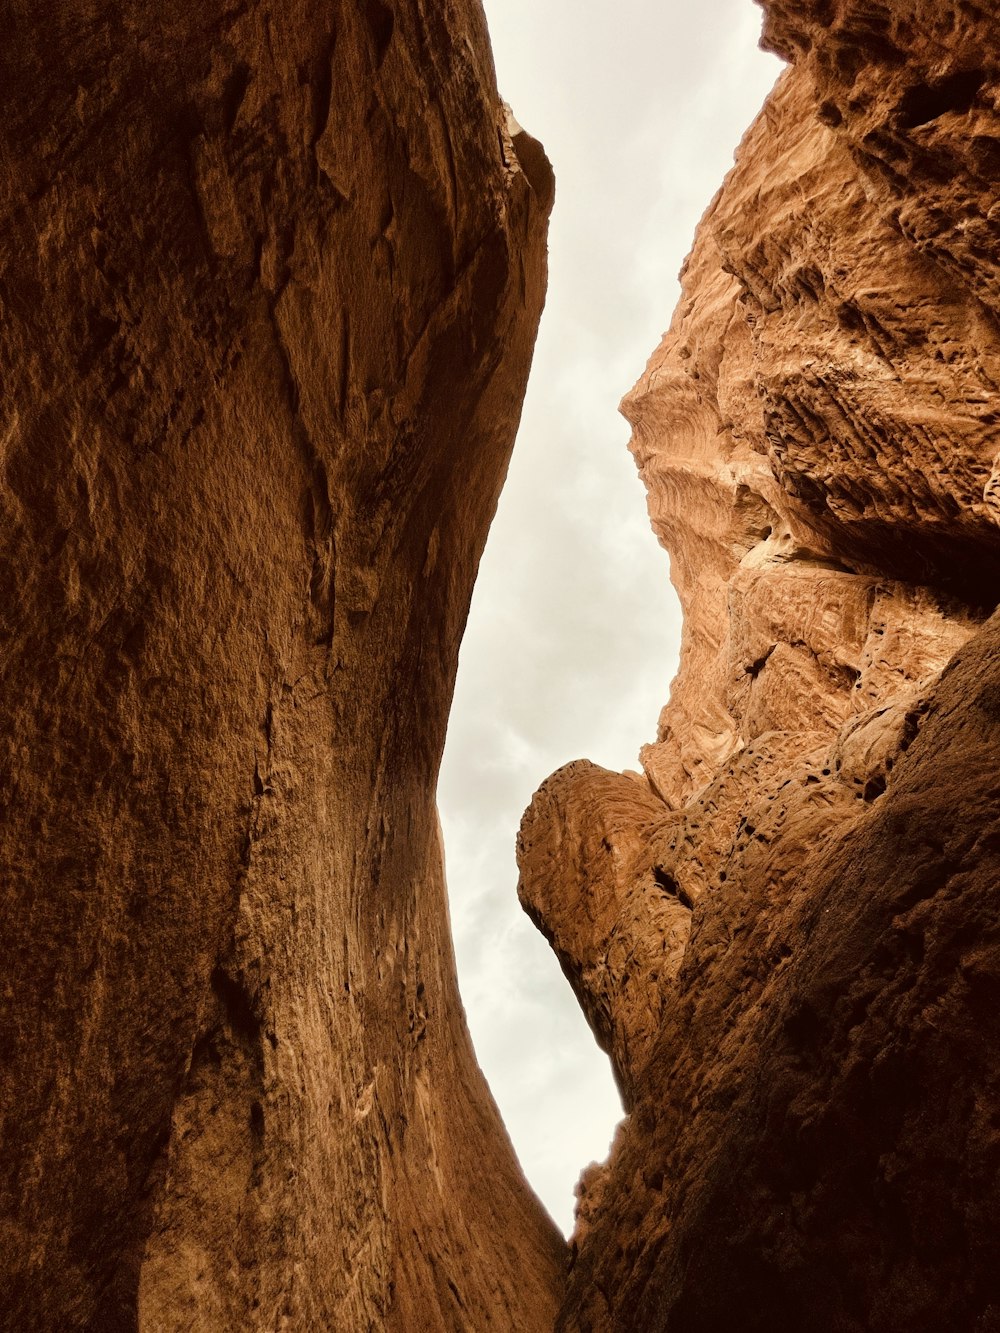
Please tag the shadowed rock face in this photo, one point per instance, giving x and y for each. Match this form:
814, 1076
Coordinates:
785, 932
269, 281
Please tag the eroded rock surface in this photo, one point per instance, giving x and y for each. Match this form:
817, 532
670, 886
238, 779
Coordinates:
784, 933
269, 281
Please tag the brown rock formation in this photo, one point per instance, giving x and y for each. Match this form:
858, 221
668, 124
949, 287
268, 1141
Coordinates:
269, 280
786, 936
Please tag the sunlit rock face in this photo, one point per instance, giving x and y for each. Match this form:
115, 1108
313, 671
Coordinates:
785, 932
270, 282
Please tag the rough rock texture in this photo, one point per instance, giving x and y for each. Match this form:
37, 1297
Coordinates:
269, 281
785, 932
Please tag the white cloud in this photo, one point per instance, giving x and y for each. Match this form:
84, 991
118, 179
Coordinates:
573, 634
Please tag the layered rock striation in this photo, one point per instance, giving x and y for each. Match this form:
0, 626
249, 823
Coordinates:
269, 282
784, 931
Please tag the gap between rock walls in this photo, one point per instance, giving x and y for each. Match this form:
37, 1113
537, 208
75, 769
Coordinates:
542, 676
271, 293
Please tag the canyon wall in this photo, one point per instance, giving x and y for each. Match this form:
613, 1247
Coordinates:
269, 278
785, 931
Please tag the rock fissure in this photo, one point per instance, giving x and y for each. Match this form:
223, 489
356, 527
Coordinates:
270, 292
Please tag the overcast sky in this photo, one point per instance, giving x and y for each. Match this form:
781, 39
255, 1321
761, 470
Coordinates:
573, 636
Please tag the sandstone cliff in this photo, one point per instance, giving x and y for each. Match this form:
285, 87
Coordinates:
269, 281
785, 932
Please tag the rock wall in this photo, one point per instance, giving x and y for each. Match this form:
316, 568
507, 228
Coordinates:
784, 931
269, 282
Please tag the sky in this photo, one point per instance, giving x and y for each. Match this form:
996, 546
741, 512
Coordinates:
574, 630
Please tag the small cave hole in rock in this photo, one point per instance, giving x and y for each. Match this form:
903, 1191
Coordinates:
955, 92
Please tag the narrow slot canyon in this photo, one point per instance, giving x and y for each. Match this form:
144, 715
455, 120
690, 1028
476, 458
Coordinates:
574, 629
271, 284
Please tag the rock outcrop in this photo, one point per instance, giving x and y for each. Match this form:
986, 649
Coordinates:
269, 281
784, 931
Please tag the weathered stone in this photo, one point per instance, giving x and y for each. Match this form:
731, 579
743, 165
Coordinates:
814, 1143
804, 1020
269, 280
